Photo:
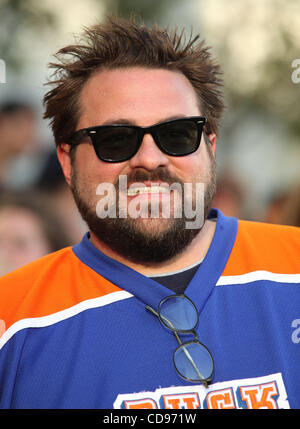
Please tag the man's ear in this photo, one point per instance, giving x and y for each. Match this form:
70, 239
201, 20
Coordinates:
63, 154
212, 138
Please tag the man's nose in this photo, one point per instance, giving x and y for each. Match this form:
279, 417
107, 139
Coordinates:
149, 156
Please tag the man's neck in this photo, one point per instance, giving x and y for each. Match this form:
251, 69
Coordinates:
194, 252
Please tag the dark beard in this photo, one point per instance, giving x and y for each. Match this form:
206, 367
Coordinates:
129, 239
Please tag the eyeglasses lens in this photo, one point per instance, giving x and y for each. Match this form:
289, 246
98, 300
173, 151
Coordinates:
178, 313
193, 361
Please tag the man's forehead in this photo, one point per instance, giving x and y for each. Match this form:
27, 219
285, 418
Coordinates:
142, 76
125, 94
124, 121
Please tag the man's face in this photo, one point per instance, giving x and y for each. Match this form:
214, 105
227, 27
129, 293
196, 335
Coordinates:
142, 97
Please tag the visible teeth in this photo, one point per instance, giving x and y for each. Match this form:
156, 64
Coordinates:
147, 190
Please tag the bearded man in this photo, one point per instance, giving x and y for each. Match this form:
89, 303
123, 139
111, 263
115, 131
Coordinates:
166, 302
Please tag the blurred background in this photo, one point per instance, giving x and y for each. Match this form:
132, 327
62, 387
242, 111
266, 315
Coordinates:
258, 152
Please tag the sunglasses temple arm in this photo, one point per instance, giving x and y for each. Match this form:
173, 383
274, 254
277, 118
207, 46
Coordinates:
189, 357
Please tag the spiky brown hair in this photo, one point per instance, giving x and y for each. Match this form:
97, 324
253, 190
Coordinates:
118, 43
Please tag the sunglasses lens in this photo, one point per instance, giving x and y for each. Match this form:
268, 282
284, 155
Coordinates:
193, 362
178, 313
178, 137
119, 143
115, 144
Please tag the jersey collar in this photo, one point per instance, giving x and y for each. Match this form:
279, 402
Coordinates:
149, 291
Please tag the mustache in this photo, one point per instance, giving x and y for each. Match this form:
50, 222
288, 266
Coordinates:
158, 175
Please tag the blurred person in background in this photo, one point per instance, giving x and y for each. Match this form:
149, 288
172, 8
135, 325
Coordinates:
284, 207
18, 136
29, 229
51, 183
274, 207
229, 196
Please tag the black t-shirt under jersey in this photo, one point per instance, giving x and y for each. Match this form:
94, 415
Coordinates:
177, 281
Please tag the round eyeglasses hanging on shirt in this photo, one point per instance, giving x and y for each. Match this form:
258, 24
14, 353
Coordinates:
192, 360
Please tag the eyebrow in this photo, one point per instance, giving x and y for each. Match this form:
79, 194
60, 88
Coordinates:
123, 121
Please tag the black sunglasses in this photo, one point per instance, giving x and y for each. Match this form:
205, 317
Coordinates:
192, 359
120, 142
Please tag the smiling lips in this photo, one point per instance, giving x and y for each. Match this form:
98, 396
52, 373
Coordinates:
145, 190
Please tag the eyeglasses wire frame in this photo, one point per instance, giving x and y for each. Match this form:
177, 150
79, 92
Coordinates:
168, 324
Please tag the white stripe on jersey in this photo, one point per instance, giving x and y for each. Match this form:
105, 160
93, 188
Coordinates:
258, 275
39, 322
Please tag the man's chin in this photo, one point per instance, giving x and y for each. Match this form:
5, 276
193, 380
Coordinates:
143, 241
153, 228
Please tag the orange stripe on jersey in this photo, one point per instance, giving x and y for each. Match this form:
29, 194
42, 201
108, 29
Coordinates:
49, 285
264, 247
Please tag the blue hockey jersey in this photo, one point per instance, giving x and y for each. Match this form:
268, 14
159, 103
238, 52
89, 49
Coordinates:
74, 331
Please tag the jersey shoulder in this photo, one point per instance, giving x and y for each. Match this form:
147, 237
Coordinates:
49, 285
265, 247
